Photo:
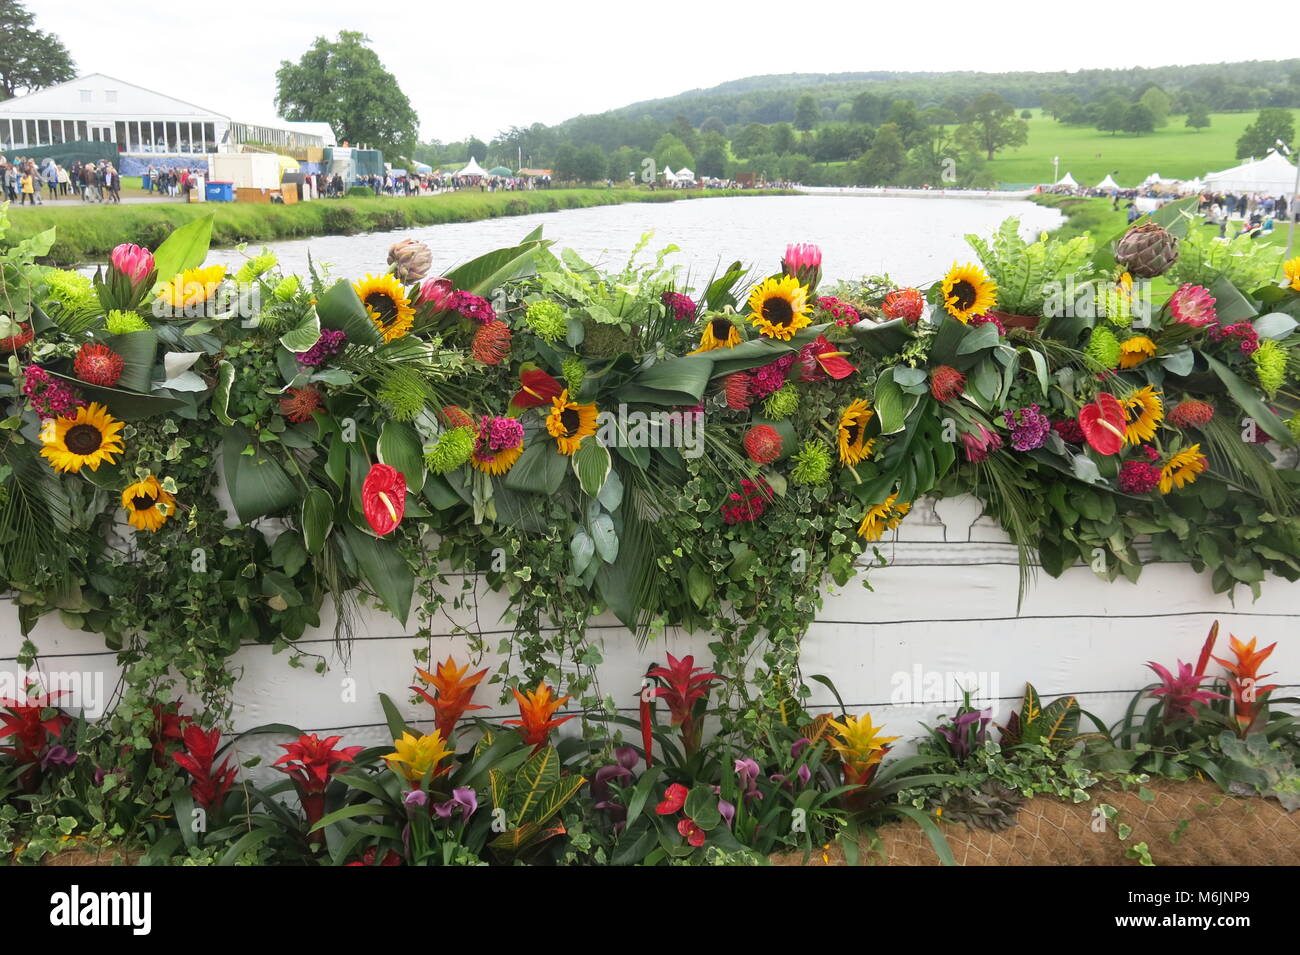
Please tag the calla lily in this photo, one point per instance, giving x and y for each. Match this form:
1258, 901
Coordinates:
1103, 424
820, 358
383, 498
464, 799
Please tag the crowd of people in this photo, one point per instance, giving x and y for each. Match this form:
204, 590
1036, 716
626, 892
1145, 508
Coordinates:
173, 182
1259, 214
25, 179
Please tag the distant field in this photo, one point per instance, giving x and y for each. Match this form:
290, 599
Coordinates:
1174, 151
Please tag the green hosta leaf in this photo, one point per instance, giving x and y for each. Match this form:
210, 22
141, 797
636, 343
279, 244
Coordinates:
304, 336
892, 404
591, 464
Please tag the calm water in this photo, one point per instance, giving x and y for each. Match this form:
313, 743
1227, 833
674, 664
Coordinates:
914, 240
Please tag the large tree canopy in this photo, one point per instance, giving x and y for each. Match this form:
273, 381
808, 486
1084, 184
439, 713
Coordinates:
30, 59
343, 83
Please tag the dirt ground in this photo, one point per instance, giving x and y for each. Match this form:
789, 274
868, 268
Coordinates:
1187, 823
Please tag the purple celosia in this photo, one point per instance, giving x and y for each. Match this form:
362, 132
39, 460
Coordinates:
771, 377
1029, 427
497, 434
50, 397
329, 344
681, 306
471, 306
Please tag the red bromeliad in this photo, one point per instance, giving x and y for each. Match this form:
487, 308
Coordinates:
686, 686
310, 762
31, 731
168, 729
455, 690
1245, 681
383, 498
1183, 691
209, 786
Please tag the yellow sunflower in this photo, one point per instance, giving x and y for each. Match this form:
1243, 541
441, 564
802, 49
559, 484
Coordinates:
89, 439
780, 307
1291, 269
386, 304
967, 291
498, 463
1183, 468
719, 332
570, 422
883, 517
854, 446
1143, 410
147, 505
1134, 351
192, 287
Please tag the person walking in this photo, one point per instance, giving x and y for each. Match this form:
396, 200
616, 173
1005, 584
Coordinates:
28, 187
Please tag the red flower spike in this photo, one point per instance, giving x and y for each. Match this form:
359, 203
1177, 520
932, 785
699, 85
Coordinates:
686, 686
383, 498
537, 388
1103, 424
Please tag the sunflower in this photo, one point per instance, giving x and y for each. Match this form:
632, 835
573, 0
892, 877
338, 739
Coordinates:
1143, 410
147, 505
1291, 269
192, 287
386, 304
719, 332
496, 463
570, 422
883, 517
1183, 468
780, 307
1134, 351
968, 291
89, 439
854, 446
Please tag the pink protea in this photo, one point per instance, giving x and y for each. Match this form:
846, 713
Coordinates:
434, 293
803, 260
979, 445
1193, 305
132, 261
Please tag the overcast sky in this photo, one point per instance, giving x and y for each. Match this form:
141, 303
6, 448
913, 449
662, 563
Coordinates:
477, 68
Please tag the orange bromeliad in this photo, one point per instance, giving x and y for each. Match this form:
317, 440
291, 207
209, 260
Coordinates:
1246, 691
535, 711
455, 690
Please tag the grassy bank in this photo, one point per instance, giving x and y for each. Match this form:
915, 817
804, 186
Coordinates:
90, 232
1097, 217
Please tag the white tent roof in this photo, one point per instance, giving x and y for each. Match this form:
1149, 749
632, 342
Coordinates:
1107, 183
1274, 173
685, 175
668, 172
472, 168
1066, 180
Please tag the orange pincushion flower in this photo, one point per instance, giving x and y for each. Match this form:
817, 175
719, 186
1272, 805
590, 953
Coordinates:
905, 303
299, 403
763, 444
535, 711
491, 343
454, 416
738, 387
98, 365
21, 339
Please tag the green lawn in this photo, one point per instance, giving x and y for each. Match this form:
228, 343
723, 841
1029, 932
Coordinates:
1174, 151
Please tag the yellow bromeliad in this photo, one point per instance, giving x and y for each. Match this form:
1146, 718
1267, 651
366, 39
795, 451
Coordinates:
419, 756
860, 746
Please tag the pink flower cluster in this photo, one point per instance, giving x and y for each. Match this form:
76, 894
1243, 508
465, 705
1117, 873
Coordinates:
498, 434
748, 504
50, 397
771, 377
1244, 332
989, 320
1140, 477
681, 306
1029, 427
842, 312
1069, 431
329, 344
471, 306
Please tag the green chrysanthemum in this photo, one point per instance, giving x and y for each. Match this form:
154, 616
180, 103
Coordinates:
783, 403
1293, 425
286, 288
1103, 347
72, 290
404, 393
1270, 366
547, 320
452, 450
812, 464
256, 267
574, 371
120, 322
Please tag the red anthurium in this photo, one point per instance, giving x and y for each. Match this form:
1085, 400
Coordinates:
692, 833
309, 762
674, 799
383, 498
820, 358
210, 785
1103, 423
686, 686
536, 388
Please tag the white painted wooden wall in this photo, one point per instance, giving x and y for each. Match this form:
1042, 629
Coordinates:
945, 608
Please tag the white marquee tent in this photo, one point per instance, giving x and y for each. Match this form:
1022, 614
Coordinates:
1108, 183
1273, 174
684, 175
1067, 180
472, 168
669, 174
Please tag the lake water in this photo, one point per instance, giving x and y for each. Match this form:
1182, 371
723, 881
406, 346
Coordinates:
914, 240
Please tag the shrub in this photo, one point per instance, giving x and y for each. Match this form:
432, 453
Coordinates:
360, 191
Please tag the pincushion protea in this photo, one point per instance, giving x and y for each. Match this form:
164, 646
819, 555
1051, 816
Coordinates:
737, 388
299, 404
763, 444
1191, 413
98, 365
491, 343
904, 303
21, 337
946, 383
